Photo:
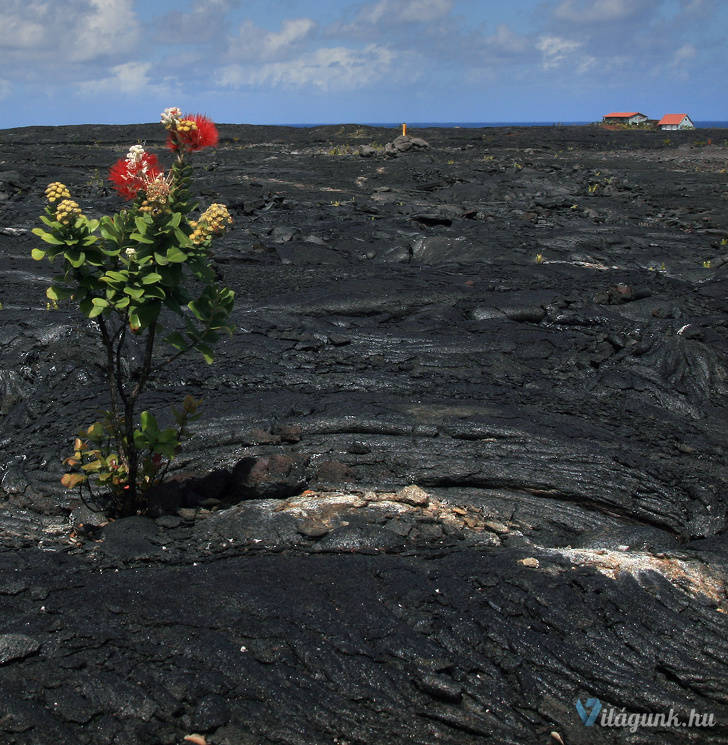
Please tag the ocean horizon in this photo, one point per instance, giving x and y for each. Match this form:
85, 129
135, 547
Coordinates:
708, 124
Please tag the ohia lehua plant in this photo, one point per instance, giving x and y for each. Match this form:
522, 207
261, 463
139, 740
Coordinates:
141, 275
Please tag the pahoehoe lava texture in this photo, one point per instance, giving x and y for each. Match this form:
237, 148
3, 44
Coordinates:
528, 324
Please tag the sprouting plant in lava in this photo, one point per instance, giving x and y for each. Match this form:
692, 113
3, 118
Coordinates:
142, 275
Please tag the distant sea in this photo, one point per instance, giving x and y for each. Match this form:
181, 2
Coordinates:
477, 125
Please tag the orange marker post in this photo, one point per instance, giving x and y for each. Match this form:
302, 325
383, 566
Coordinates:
404, 130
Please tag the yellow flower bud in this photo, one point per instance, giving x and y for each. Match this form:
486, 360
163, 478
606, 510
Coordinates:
67, 209
56, 190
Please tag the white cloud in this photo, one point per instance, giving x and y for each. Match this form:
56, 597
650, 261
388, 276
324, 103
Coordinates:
326, 69
404, 11
385, 14
207, 21
680, 59
685, 53
107, 27
130, 78
556, 50
20, 27
291, 32
505, 41
254, 43
69, 32
599, 11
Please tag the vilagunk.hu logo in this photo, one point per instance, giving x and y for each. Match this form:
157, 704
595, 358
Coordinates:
633, 720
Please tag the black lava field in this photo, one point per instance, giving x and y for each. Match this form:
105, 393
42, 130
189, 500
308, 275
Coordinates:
462, 463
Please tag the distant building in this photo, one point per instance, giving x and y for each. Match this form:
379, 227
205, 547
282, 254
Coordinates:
629, 117
675, 121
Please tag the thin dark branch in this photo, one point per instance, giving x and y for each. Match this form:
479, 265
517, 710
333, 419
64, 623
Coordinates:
117, 359
146, 368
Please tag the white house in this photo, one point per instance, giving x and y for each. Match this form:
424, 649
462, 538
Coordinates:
675, 121
629, 117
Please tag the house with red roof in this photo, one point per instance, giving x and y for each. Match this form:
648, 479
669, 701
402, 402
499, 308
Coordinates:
675, 121
622, 117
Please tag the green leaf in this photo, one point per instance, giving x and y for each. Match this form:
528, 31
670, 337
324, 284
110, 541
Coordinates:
38, 254
149, 424
141, 224
101, 302
116, 276
51, 294
123, 303
136, 292
175, 255
77, 260
161, 259
151, 278
140, 441
176, 340
92, 225
182, 238
96, 310
206, 352
194, 306
109, 233
174, 221
47, 237
148, 313
154, 292
140, 238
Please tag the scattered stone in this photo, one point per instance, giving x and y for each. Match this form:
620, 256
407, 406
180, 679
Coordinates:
16, 647
266, 477
439, 686
496, 526
284, 233
530, 562
312, 529
358, 448
432, 219
168, 521
413, 495
195, 739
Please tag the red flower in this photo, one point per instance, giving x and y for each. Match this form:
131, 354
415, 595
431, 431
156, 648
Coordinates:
129, 177
193, 132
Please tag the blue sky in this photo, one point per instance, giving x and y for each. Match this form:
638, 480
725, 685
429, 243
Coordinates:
308, 61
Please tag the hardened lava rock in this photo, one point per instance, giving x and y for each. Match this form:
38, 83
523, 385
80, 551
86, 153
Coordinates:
462, 464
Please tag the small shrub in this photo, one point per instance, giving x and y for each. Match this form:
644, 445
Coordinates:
128, 273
